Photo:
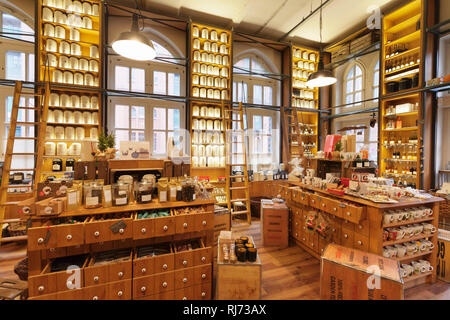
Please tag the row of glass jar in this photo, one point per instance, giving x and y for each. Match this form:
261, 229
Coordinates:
208, 151
210, 93
76, 78
305, 55
69, 133
211, 70
213, 35
211, 58
70, 19
301, 74
60, 149
210, 81
300, 84
74, 6
72, 63
73, 101
213, 112
208, 46
86, 117
300, 103
207, 124
305, 65
304, 94
207, 138
74, 49
212, 162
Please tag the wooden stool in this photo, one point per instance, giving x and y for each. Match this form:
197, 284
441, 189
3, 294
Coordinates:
10, 289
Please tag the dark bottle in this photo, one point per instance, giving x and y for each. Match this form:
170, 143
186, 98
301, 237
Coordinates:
57, 165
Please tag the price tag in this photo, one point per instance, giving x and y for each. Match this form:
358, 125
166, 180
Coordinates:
117, 226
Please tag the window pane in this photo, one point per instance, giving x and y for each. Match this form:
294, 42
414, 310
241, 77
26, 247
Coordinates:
122, 135
31, 67
257, 94
14, 25
122, 116
122, 81
234, 92
349, 87
15, 65
258, 67
242, 64
137, 80
376, 78
358, 84
161, 51
360, 135
159, 142
350, 74
376, 92
267, 125
358, 97
373, 151
358, 71
173, 119
159, 82
174, 84
373, 133
137, 117
257, 123
359, 146
268, 96
349, 99
159, 119
137, 136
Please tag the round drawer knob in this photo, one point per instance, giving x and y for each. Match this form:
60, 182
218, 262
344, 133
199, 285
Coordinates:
96, 233
348, 213
204, 222
359, 242
96, 278
321, 250
143, 289
120, 293
94, 298
296, 223
334, 209
203, 276
184, 280
164, 284
121, 231
120, 274
184, 263
144, 270
184, 298
323, 204
185, 225
143, 230
52, 249
69, 237
164, 266
345, 235
40, 240
165, 228
334, 230
203, 259
41, 288
203, 294
359, 226
313, 201
296, 234
304, 239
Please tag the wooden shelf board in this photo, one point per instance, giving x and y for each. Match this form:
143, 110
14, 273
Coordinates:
401, 129
414, 113
404, 24
418, 237
418, 276
390, 225
415, 256
413, 66
404, 53
405, 39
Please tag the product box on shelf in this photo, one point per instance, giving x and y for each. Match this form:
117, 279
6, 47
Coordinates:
443, 258
26, 207
349, 274
52, 189
50, 207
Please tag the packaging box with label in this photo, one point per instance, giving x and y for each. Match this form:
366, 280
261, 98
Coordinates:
51, 206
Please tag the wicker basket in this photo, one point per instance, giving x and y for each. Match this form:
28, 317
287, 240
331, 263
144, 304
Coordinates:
16, 229
444, 210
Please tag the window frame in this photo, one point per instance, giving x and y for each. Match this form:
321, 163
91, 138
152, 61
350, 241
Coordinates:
353, 93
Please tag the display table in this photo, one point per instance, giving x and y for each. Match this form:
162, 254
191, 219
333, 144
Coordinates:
274, 224
357, 223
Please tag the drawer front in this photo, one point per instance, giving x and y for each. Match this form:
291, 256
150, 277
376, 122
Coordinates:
143, 267
184, 223
56, 252
294, 195
65, 281
119, 290
204, 221
70, 235
202, 274
304, 198
363, 227
322, 245
184, 278
335, 231
42, 284
184, 259
96, 292
361, 242
96, 231
42, 238
202, 256
166, 295
51, 296
143, 286
124, 233
164, 263
164, 226
348, 225
202, 291
314, 241
314, 201
101, 246
75, 294
353, 213
347, 238
184, 294
333, 207
76, 250
120, 271
143, 228
324, 204
95, 275
164, 282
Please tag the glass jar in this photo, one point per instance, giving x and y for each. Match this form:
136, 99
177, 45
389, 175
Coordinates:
93, 195
163, 187
144, 191
121, 194
188, 190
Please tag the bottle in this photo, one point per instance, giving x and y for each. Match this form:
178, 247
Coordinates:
398, 123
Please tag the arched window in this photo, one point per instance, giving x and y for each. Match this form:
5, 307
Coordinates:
14, 28
376, 80
354, 86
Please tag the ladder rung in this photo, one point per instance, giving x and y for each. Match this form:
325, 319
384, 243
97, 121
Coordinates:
238, 188
31, 94
240, 176
17, 238
30, 169
25, 138
239, 200
10, 220
237, 165
6, 204
22, 154
16, 186
239, 212
237, 153
27, 123
29, 108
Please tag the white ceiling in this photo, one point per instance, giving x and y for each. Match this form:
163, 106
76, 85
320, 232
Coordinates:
272, 19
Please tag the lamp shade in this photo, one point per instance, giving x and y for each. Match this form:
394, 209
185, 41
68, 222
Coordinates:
321, 78
134, 44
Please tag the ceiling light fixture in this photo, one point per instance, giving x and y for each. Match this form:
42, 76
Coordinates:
134, 44
322, 77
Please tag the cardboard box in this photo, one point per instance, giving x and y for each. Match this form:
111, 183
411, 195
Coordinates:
351, 143
349, 274
51, 189
50, 207
275, 224
443, 258
26, 207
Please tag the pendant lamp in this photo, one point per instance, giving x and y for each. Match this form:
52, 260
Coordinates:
134, 44
322, 77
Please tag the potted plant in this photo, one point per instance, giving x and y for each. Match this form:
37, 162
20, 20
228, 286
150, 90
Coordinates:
336, 154
105, 147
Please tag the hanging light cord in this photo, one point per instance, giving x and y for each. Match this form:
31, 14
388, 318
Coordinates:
140, 16
321, 23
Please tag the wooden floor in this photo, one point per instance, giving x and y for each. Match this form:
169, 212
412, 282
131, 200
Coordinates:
288, 274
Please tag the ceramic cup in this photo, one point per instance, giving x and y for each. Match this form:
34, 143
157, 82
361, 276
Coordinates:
422, 246
411, 248
408, 230
408, 268
428, 228
429, 244
388, 218
418, 267
426, 265
401, 250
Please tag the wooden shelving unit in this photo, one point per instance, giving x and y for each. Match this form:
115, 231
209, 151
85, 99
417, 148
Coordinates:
69, 53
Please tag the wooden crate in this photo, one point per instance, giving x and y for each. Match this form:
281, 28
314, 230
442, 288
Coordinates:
443, 259
275, 224
340, 53
364, 41
344, 275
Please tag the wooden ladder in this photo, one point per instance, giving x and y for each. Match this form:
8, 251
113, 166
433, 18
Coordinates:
236, 137
41, 112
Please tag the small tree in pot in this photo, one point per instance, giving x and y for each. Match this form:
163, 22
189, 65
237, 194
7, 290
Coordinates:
105, 146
